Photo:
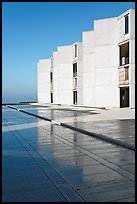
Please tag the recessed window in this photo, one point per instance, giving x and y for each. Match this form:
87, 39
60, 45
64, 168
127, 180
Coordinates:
51, 97
75, 83
126, 73
74, 69
75, 97
51, 77
75, 50
124, 54
126, 24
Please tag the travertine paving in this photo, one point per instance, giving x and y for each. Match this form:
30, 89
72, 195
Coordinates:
45, 162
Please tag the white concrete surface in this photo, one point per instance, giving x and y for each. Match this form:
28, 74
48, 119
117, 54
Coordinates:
62, 75
103, 115
98, 64
43, 70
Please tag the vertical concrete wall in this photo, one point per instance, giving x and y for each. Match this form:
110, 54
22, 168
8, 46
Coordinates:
79, 74
106, 61
43, 70
98, 60
121, 26
129, 37
62, 76
55, 78
88, 71
132, 58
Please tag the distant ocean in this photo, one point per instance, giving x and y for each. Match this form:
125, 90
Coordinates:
18, 99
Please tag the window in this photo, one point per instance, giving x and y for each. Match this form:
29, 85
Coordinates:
51, 77
75, 70
75, 97
75, 83
124, 54
126, 24
75, 50
126, 73
51, 97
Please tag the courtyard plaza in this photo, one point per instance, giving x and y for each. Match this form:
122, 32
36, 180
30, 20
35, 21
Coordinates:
46, 162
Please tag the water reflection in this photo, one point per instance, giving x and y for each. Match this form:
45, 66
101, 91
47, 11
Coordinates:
76, 167
75, 133
127, 130
61, 150
64, 152
60, 147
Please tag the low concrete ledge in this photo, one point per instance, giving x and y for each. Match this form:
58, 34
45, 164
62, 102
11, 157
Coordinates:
99, 136
83, 106
11, 107
38, 116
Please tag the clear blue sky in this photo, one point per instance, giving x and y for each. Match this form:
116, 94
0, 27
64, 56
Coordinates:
33, 30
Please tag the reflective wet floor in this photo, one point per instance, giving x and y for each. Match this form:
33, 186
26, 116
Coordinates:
122, 129
45, 162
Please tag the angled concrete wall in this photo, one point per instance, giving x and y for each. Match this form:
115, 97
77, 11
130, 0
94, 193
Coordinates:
62, 76
98, 66
129, 37
79, 62
132, 58
88, 68
106, 61
43, 70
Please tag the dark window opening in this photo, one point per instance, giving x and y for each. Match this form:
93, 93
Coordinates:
75, 70
51, 77
126, 24
51, 95
126, 73
74, 97
124, 97
75, 50
124, 54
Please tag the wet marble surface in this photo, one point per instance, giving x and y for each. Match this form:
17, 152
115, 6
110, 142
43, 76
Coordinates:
45, 162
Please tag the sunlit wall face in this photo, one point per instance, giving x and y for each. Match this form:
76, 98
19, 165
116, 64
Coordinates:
82, 71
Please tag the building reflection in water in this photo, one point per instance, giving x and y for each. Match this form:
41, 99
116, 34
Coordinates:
52, 138
126, 128
61, 147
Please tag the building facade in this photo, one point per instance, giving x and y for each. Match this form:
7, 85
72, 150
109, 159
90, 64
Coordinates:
98, 72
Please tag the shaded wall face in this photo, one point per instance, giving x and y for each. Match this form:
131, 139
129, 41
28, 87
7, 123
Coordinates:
132, 73
100, 64
132, 59
106, 59
124, 39
123, 36
65, 83
44, 81
88, 71
78, 89
62, 76
97, 58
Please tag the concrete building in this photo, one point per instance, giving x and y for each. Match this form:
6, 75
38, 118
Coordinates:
99, 71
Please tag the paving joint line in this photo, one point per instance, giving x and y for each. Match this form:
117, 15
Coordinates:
99, 136
48, 163
96, 157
